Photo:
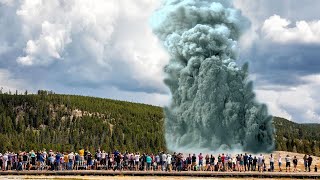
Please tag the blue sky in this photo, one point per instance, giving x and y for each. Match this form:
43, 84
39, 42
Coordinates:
107, 49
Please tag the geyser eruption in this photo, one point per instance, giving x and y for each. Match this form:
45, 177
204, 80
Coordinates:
213, 104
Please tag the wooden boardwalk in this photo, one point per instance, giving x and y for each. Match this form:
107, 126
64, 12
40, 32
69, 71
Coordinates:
297, 175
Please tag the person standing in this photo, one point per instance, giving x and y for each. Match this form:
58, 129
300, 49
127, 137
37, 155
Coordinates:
280, 162
33, 157
164, 161
149, 161
25, 158
5, 161
42, 162
169, 163
212, 159
194, 162
51, 161
254, 163
89, 160
241, 163
271, 163
174, 161
219, 163
207, 158
226, 160
157, 162
250, 159
10, 160
230, 165
288, 160
189, 162
66, 161
57, 164
70, 160
295, 163
305, 162
245, 158
200, 161
103, 158
143, 162
118, 161
136, 162
260, 163
77, 161
222, 161
309, 163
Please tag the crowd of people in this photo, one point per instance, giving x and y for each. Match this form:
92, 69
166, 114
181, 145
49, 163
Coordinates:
161, 161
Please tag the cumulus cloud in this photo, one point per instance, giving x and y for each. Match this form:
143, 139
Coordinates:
50, 27
278, 29
10, 83
80, 43
48, 47
299, 103
282, 50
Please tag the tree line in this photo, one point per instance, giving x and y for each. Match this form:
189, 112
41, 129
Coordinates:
70, 122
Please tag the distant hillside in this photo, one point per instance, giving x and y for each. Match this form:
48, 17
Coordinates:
69, 122
303, 138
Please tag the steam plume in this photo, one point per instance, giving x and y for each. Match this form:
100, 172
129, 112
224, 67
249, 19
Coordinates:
213, 104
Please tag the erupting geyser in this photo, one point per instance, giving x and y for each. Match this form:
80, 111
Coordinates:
213, 104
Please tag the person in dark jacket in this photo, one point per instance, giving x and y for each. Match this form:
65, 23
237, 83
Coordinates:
309, 163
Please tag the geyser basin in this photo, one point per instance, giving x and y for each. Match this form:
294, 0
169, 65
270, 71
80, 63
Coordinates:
213, 104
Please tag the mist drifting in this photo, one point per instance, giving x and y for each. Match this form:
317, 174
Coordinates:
213, 105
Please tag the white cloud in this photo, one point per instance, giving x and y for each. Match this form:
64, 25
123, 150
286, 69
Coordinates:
81, 42
9, 83
7, 2
49, 46
297, 103
271, 98
50, 26
278, 30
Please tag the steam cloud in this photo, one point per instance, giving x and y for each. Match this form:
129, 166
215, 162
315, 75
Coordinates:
213, 104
